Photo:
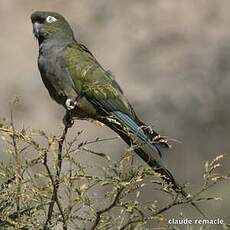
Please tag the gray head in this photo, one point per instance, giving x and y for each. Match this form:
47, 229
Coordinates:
50, 25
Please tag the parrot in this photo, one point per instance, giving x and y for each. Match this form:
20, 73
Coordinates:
77, 81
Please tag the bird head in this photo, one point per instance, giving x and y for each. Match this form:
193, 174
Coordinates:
50, 25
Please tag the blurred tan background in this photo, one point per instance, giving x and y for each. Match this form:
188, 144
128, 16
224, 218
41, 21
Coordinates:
172, 59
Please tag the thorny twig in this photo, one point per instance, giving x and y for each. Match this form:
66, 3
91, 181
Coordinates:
124, 178
56, 182
17, 160
177, 202
112, 205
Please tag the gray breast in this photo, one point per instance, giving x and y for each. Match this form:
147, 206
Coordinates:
54, 73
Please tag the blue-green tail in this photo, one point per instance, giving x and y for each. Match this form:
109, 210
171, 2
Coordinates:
147, 144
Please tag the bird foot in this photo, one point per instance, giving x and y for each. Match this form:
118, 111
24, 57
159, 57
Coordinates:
68, 119
70, 104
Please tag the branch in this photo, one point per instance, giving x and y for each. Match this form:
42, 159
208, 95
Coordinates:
56, 182
101, 212
17, 160
169, 206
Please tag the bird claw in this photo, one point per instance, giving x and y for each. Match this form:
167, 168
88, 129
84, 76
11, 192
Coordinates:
70, 104
68, 120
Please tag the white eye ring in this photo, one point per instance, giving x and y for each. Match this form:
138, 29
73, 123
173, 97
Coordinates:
51, 19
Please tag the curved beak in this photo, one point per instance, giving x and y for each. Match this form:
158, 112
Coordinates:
36, 29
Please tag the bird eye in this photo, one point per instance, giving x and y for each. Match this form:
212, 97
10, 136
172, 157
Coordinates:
51, 19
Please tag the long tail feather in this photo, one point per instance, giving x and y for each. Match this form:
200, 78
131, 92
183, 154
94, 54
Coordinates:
168, 177
130, 130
